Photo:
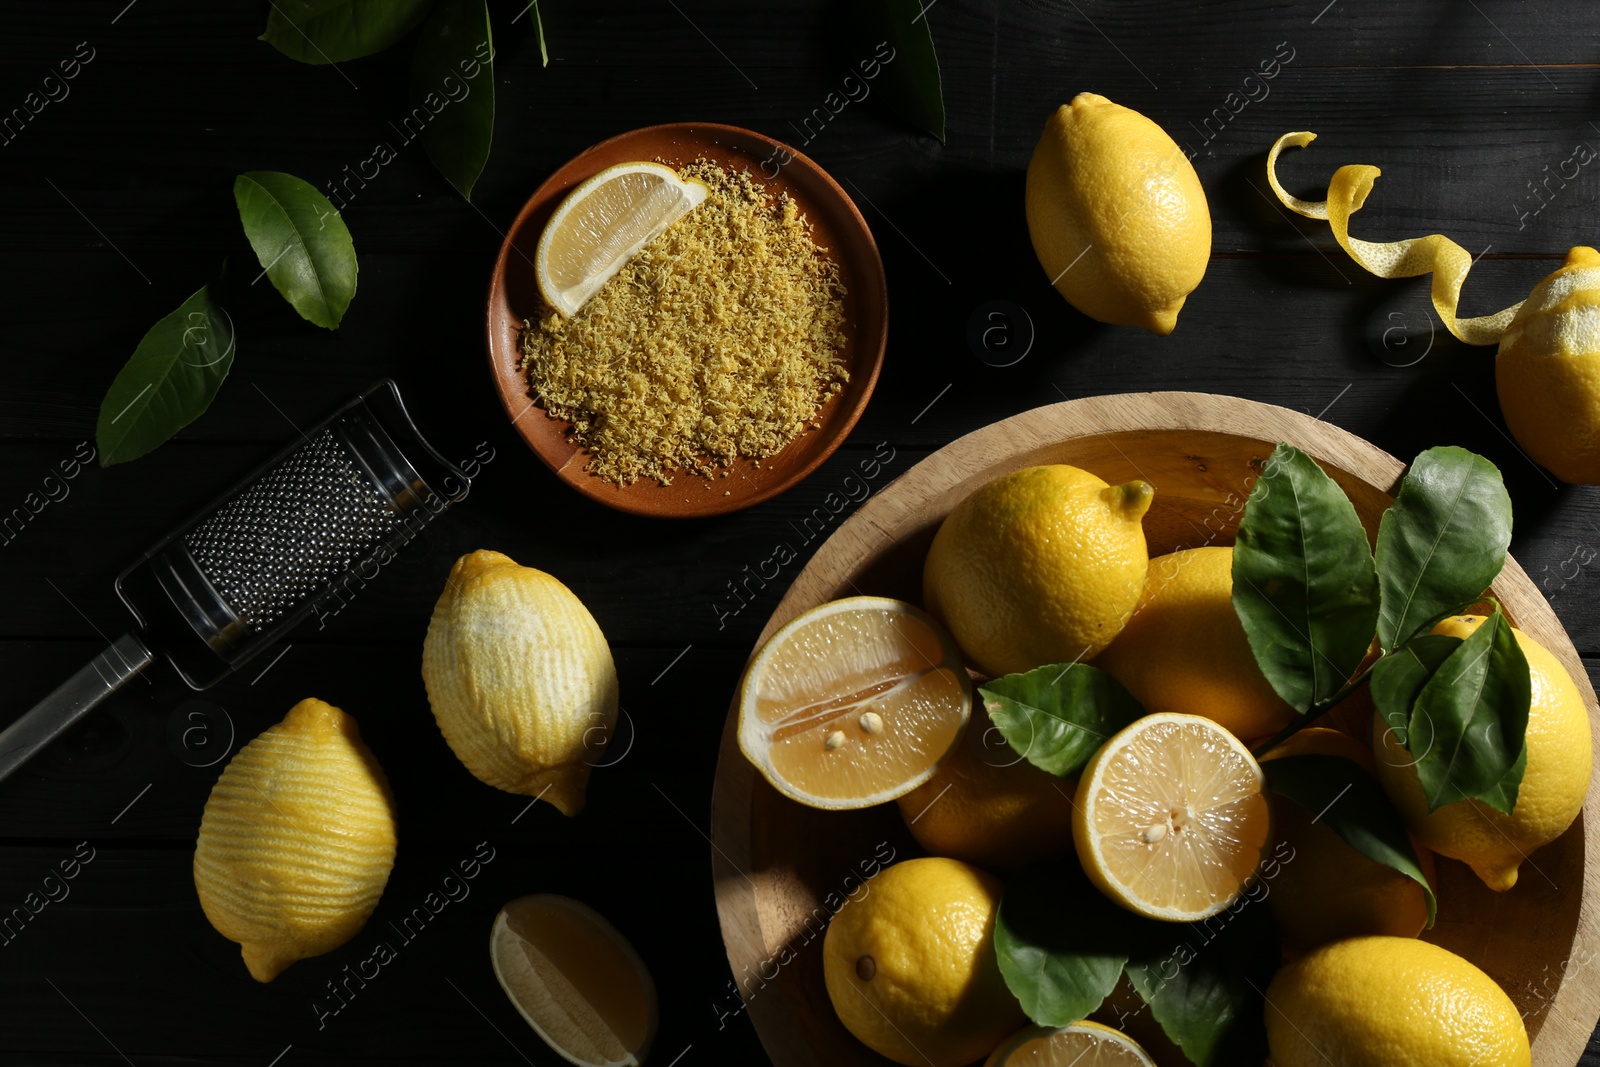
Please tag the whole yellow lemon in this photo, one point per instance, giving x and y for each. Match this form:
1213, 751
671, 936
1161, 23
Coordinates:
1386, 1001
1547, 370
989, 806
1554, 783
297, 840
1043, 565
910, 966
1184, 649
520, 679
1325, 890
1117, 215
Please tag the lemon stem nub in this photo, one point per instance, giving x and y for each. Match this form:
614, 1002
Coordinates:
1132, 499
866, 967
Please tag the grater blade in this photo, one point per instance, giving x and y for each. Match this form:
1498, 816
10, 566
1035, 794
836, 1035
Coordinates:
288, 535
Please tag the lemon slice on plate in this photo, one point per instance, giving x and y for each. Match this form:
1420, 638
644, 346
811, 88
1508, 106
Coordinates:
601, 224
1171, 820
1083, 1044
854, 703
576, 980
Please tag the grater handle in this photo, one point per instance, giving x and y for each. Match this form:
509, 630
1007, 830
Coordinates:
71, 701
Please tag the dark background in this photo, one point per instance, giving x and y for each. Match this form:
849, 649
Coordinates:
118, 206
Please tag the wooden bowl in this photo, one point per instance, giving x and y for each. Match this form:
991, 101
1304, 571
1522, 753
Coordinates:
781, 868
837, 227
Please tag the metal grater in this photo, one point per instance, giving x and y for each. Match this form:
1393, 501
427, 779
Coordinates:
311, 526
291, 533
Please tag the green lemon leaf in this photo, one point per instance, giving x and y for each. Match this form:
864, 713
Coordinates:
1304, 583
168, 382
1061, 945
896, 44
1397, 678
1202, 983
1347, 800
1502, 796
1442, 542
1059, 716
538, 29
452, 90
332, 31
1467, 725
301, 243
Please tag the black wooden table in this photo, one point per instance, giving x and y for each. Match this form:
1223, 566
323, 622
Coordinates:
118, 205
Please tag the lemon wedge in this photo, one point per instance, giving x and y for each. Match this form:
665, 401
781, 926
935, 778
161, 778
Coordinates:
1083, 1044
854, 703
1171, 821
576, 980
602, 223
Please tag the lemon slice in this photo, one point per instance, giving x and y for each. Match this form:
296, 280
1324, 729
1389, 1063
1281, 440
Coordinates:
1170, 819
854, 703
1084, 1044
602, 223
576, 979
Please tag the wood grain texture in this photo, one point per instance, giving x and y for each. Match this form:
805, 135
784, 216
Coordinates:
778, 864
118, 207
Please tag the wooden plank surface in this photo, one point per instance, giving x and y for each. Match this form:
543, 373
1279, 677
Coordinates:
118, 206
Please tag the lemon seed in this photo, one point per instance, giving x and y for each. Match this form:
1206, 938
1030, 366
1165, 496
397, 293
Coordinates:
834, 740
1154, 832
872, 723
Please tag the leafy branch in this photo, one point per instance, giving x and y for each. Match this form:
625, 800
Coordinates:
1323, 615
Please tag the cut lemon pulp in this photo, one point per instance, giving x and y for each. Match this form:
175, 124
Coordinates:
600, 225
854, 703
1171, 821
1084, 1044
575, 979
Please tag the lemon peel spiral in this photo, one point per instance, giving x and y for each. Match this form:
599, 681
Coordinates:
1447, 261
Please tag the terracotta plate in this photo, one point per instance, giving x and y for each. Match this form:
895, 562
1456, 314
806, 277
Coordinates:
838, 227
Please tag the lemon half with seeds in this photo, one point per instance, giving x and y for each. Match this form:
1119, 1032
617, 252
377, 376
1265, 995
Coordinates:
854, 703
1171, 820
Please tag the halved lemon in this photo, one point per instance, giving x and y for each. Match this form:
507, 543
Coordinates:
854, 703
1171, 820
1083, 1044
600, 225
576, 980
